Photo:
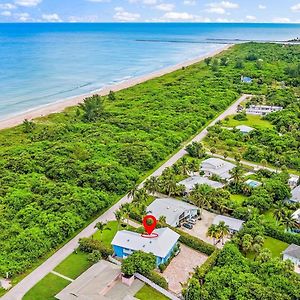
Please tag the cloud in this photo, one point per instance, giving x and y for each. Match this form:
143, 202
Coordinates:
51, 18
28, 3
183, 17
98, 1
251, 18
165, 6
281, 20
189, 2
5, 13
296, 8
124, 16
261, 6
7, 6
220, 7
22, 17
146, 2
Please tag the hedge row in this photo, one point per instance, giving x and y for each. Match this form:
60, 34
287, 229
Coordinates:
89, 245
158, 279
207, 266
194, 242
290, 238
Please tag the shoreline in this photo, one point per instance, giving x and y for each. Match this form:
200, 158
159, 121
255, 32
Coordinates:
61, 105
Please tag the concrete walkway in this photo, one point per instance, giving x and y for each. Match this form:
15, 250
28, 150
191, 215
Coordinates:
62, 276
17, 292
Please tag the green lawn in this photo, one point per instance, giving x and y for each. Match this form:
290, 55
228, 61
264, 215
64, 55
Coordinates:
253, 121
74, 265
275, 246
47, 288
238, 199
269, 216
147, 292
108, 234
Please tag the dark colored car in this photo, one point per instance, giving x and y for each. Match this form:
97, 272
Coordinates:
187, 225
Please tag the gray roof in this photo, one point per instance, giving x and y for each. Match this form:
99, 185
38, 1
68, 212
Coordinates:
190, 182
296, 194
170, 208
293, 251
217, 166
91, 283
234, 224
244, 128
159, 246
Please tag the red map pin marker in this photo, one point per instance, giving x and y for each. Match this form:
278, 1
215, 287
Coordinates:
149, 223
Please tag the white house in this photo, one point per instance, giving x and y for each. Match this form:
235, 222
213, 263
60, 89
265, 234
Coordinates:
234, 225
292, 252
295, 194
217, 166
190, 182
262, 109
175, 211
244, 129
126, 242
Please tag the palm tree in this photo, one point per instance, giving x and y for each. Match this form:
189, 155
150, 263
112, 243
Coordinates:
133, 191
151, 185
118, 216
162, 220
194, 166
140, 195
184, 164
288, 220
223, 230
236, 174
213, 232
101, 227
279, 212
201, 195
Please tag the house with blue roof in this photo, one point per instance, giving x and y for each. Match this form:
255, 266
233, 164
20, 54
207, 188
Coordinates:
126, 242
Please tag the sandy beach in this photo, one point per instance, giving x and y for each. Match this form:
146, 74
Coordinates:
59, 106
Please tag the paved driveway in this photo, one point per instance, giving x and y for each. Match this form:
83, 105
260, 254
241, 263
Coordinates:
181, 267
200, 228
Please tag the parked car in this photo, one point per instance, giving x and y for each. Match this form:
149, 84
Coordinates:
191, 221
187, 225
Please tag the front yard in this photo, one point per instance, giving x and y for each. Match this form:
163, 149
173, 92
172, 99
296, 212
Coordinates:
252, 121
147, 292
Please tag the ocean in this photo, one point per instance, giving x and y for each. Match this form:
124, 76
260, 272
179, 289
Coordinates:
45, 63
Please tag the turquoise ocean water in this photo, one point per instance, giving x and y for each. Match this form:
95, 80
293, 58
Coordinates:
45, 63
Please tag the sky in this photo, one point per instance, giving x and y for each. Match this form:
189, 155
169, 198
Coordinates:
260, 11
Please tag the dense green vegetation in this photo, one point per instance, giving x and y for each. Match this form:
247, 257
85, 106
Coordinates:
58, 172
236, 277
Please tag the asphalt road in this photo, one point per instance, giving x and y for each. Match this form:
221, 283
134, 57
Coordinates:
18, 291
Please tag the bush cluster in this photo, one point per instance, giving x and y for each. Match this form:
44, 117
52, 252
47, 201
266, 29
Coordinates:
90, 245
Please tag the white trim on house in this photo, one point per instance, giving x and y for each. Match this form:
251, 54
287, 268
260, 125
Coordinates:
217, 166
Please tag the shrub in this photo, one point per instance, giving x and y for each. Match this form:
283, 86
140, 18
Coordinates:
240, 117
158, 279
195, 243
89, 245
290, 238
207, 266
139, 262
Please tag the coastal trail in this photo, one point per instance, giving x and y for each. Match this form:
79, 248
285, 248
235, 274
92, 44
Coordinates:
18, 291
